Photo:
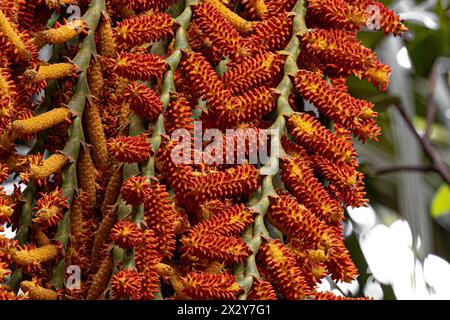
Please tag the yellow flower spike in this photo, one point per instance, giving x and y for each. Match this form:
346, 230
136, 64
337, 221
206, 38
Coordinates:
14, 40
259, 6
41, 122
35, 256
234, 19
49, 166
112, 190
86, 174
101, 278
107, 44
51, 72
36, 292
62, 33
95, 79
96, 134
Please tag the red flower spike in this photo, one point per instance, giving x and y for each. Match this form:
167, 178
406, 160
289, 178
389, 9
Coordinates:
308, 132
206, 286
6, 209
136, 66
210, 247
261, 290
178, 114
263, 69
126, 234
295, 150
126, 284
143, 5
135, 190
296, 221
49, 209
272, 34
231, 222
143, 101
146, 259
130, 149
225, 39
337, 105
143, 29
282, 270
302, 183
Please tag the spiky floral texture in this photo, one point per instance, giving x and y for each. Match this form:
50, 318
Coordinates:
210, 286
143, 100
126, 284
262, 290
135, 66
130, 149
126, 234
49, 209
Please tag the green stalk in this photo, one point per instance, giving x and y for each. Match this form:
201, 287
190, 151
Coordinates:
253, 236
75, 131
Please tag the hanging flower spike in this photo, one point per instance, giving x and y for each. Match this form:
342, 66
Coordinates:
48, 166
143, 29
33, 256
206, 286
134, 66
325, 295
378, 74
51, 72
143, 101
337, 13
272, 34
135, 190
279, 6
62, 33
263, 69
101, 278
203, 247
130, 149
36, 292
241, 180
96, 133
144, 5
225, 39
231, 222
4, 271
49, 209
308, 132
178, 114
347, 181
126, 284
41, 122
6, 209
296, 221
281, 268
234, 19
107, 44
147, 259
13, 44
262, 290
302, 183
86, 174
339, 262
337, 105
296, 151
126, 234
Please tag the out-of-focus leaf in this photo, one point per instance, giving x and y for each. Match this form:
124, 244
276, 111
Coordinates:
439, 133
440, 204
384, 101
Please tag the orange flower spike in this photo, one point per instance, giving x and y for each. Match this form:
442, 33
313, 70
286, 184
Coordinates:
4, 271
135, 190
49, 209
241, 180
296, 221
300, 180
107, 44
272, 34
344, 178
337, 13
279, 6
262, 290
62, 33
231, 222
130, 149
234, 19
34, 256
95, 79
51, 72
143, 101
378, 74
178, 114
142, 29
126, 234
325, 295
308, 132
6, 209
49, 166
211, 247
36, 292
41, 122
147, 258
337, 105
11, 41
96, 134
295, 150
282, 270
225, 39
135, 66
339, 262
206, 286
263, 69
4, 172
126, 284
101, 278
86, 174
257, 7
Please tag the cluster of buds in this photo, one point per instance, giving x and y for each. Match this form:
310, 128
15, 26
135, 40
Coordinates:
100, 187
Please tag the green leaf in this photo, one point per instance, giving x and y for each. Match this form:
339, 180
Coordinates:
441, 202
